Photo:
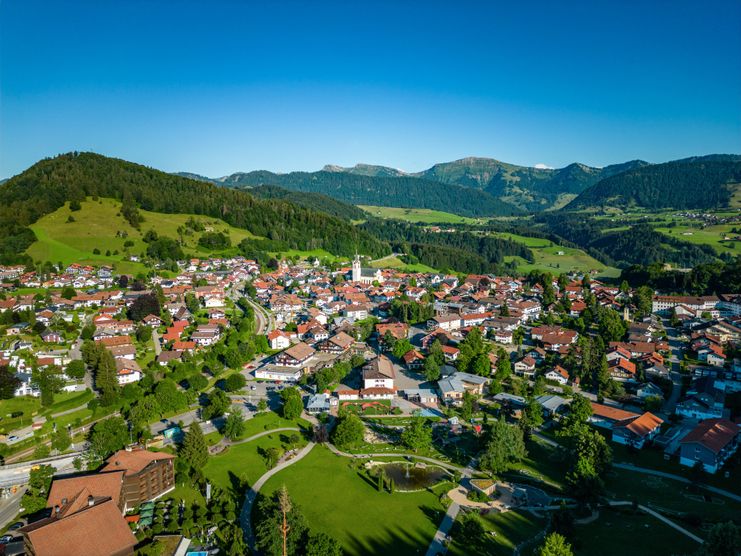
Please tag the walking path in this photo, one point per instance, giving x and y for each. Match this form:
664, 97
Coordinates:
437, 546
224, 442
465, 471
245, 517
715, 490
660, 517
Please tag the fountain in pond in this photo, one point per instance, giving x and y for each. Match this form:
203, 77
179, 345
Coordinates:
409, 477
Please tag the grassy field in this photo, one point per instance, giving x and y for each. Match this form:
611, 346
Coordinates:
555, 258
31, 407
426, 216
507, 530
711, 235
616, 533
393, 261
336, 500
98, 225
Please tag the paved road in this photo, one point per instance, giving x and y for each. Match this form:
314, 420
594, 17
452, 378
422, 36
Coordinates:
245, 517
437, 546
10, 507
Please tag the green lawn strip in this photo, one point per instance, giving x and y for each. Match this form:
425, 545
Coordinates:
670, 497
269, 420
338, 501
542, 465
619, 532
509, 530
425, 216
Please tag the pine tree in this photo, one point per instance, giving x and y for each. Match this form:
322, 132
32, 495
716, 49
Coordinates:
194, 450
106, 380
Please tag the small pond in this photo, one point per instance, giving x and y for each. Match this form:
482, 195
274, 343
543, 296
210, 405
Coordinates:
408, 477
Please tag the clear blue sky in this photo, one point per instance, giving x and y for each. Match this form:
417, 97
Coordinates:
216, 87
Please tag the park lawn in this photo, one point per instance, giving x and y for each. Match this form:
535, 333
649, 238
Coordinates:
509, 528
425, 216
320, 254
243, 461
620, 532
97, 224
336, 500
670, 497
269, 420
541, 465
31, 407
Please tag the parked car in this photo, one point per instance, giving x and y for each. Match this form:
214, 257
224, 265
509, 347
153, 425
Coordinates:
17, 525
5, 539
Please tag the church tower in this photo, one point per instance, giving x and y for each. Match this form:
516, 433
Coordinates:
356, 272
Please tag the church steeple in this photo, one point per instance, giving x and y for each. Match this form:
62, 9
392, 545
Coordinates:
356, 269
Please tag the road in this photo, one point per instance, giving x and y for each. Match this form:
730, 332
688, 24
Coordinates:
156, 342
10, 507
676, 354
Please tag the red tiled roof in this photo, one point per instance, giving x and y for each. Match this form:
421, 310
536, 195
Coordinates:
714, 434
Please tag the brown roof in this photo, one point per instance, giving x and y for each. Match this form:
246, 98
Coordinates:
116, 341
380, 367
641, 426
714, 434
611, 413
97, 530
63, 491
300, 351
133, 461
342, 340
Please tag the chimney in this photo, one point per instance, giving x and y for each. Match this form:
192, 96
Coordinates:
56, 511
90, 500
64, 501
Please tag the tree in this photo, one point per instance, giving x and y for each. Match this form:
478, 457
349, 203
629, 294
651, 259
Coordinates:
8, 383
234, 426
262, 405
481, 365
39, 482
293, 406
49, 382
197, 381
194, 450
144, 305
401, 347
234, 382
505, 446
436, 352
217, 403
504, 365
417, 435
107, 436
724, 539
68, 292
643, 300
532, 416
468, 406
168, 395
431, 369
349, 431
61, 440
580, 410
321, 544
280, 527
611, 325
518, 336
554, 545
106, 377
75, 369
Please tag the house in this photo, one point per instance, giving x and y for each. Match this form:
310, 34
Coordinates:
51, 337
558, 374
339, 343
649, 390
636, 431
423, 396
711, 442
622, 369
379, 373
414, 360
152, 320
147, 475
278, 339
280, 374
552, 405
320, 403
295, 356
525, 367
86, 524
127, 371
451, 353
605, 416
453, 387
365, 275
703, 400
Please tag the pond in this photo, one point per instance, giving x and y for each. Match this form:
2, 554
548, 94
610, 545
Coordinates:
407, 476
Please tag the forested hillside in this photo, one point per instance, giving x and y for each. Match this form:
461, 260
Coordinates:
695, 183
313, 201
405, 192
48, 184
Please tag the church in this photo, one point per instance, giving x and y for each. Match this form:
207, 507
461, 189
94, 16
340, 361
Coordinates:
365, 275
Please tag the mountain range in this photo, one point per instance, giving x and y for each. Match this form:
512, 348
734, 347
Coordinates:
488, 187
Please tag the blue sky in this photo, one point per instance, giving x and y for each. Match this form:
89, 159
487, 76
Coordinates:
216, 87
